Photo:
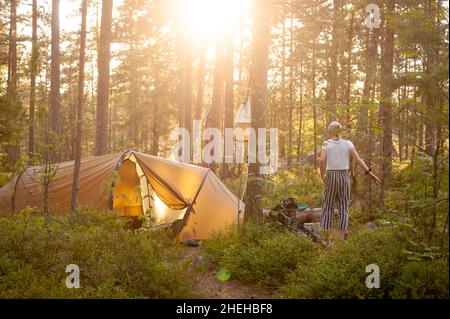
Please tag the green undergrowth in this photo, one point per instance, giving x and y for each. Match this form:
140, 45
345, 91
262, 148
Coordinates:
114, 262
269, 256
261, 254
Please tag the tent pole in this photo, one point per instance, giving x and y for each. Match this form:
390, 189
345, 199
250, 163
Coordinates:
239, 193
241, 197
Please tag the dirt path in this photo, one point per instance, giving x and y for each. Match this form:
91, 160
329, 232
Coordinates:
211, 287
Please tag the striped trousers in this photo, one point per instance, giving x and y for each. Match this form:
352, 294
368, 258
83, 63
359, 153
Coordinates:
336, 191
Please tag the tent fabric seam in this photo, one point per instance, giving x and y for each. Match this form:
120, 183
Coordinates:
200, 187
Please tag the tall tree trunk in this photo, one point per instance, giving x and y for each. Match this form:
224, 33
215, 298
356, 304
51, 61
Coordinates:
133, 97
229, 86
431, 93
12, 51
242, 89
114, 127
180, 48
229, 80
104, 58
33, 73
332, 82
386, 112
258, 94
313, 94
188, 57
13, 150
156, 118
72, 111
55, 107
300, 110
201, 83
349, 68
214, 116
180, 95
283, 104
403, 117
291, 89
80, 104
370, 71
433, 124
364, 116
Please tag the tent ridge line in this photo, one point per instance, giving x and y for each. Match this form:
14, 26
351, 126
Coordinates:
200, 187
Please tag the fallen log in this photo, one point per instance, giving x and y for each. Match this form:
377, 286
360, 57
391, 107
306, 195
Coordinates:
308, 215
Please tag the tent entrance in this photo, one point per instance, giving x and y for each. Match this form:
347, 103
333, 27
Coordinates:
128, 200
134, 196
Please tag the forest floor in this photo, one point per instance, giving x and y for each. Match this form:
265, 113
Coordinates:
209, 286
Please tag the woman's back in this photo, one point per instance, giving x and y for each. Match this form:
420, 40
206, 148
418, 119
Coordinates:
338, 153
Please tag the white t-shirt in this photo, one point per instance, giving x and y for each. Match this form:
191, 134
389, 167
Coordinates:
338, 153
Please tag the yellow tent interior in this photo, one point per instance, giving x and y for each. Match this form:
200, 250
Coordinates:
133, 184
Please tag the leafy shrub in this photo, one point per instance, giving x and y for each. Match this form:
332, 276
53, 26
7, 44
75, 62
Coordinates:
423, 279
413, 196
114, 262
259, 253
340, 271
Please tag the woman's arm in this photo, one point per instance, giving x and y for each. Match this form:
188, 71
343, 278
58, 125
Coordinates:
322, 164
363, 165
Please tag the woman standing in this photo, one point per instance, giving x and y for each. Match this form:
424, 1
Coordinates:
334, 165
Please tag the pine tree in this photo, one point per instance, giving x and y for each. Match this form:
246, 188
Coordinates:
104, 59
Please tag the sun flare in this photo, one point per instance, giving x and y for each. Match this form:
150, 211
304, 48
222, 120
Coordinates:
212, 18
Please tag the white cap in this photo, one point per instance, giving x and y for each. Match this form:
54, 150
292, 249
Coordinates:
334, 126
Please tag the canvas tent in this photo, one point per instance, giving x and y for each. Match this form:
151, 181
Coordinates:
130, 183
